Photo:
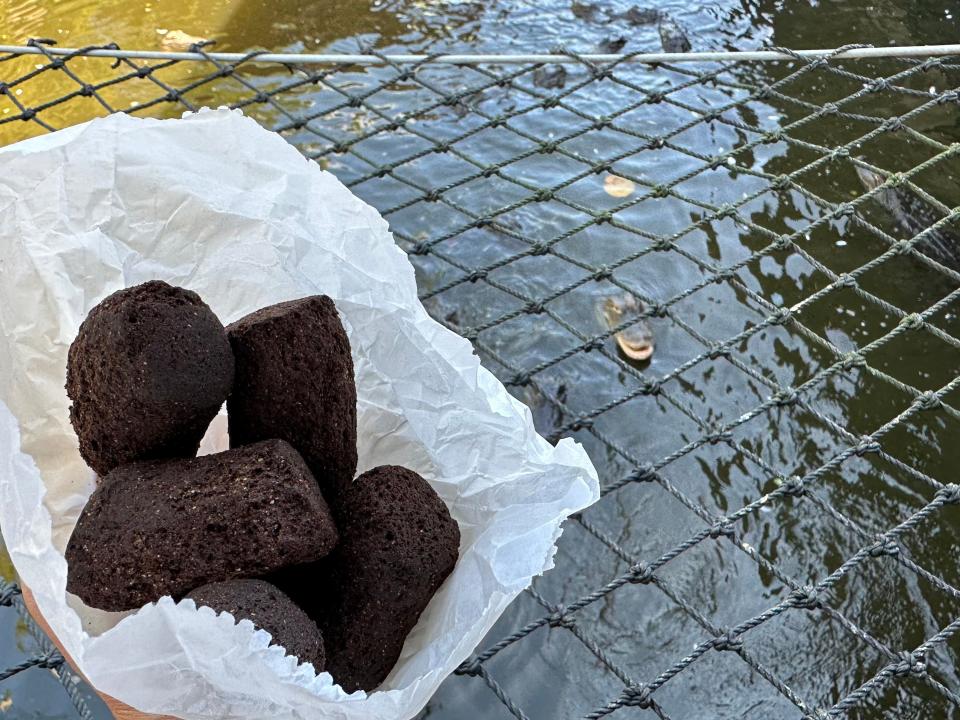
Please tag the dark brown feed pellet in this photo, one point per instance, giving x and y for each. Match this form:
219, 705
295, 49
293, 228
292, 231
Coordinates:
398, 544
295, 381
166, 527
266, 607
148, 371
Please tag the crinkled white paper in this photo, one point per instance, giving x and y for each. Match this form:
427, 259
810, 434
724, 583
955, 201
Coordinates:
215, 203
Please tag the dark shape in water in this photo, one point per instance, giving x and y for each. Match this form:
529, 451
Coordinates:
635, 340
672, 37
611, 45
641, 16
588, 11
546, 406
914, 215
550, 76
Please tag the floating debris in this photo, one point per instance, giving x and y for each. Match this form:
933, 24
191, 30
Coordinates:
611, 45
641, 16
588, 11
672, 37
635, 340
550, 76
618, 187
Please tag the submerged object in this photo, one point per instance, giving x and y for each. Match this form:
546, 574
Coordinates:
588, 11
550, 76
635, 340
914, 215
672, 37
611, 45
641, 16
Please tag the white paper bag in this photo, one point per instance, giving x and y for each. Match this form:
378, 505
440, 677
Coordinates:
217, 204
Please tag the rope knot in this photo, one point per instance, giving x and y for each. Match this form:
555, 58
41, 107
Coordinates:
660, 191
594, 344
520, 379
51, 660
795, 487
805, 598
560, 619
893, 125
651, 387
477, 275
28, 114
421, 248
728, 642
581, 423
950, 494
534, 307
783, 242
643, 473
548, 147
637, 696
928, 400
947, 97
603, 273
786, 397
886, 546
782, 315
846, 280
655, 144
7, 593
469, 667
604, 217
830, 108
878, 85
640, 574
661, 244
654, 98
719, 436
442, 147
851, 360
539, 248
721, 529
913, 321
544, 195
910, 664
763, 92
867, 445
843, 210
718, 351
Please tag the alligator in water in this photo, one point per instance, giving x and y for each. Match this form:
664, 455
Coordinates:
914, 215
635, 340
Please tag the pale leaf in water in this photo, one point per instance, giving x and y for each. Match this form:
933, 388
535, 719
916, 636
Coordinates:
618, 187
6, 702
179, 40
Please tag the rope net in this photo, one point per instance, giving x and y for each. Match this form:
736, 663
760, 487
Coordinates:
778, 532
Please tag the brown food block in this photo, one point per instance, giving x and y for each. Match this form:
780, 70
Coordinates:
166, 527
398, 544
269, 609
147, 372
294, 380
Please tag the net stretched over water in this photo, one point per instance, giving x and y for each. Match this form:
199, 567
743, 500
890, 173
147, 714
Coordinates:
735, 281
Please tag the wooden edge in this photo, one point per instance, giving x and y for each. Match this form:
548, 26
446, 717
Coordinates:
120, 711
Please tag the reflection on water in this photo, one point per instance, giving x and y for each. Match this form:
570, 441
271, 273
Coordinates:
551, 674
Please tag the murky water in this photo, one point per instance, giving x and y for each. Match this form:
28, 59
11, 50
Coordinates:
551, 674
